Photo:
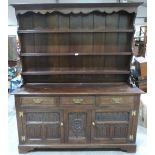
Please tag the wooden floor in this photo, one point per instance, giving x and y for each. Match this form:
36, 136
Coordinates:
13, 140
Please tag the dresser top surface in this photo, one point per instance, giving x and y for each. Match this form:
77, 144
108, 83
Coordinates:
77, 89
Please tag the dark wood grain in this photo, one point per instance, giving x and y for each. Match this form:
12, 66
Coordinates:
79, 35
75, 78
86, 64
75, 67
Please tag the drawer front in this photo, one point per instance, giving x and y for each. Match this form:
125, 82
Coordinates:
77, 100
39, 100
115, 100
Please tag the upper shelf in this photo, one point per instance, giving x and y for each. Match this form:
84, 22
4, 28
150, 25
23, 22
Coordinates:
75, 31
75, 8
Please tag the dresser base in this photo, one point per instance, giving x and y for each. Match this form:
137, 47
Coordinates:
130, 148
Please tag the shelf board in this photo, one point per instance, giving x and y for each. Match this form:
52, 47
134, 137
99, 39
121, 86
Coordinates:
77, 88
73, 54
62, 72
74, 31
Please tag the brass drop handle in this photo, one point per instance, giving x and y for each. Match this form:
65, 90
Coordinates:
116, 100
93, 123
61, 124
37, 100
77, 100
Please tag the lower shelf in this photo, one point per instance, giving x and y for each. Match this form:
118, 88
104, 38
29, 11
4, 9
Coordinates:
76, 72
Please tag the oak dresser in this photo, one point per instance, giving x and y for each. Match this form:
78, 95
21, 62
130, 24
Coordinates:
76, 91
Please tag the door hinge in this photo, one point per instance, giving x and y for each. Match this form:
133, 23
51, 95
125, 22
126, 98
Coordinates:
131, 137
20, 114
133, 113
23, 138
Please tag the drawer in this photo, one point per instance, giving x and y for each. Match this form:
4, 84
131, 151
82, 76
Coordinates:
76, 100
39, 100
115, 100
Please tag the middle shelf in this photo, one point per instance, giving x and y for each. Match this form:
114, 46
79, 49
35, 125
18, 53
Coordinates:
74, 54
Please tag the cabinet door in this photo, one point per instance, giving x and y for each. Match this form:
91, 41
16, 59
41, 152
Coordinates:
77, 126
42, 126
111, 126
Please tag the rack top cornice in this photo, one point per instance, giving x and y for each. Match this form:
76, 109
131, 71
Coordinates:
75, 8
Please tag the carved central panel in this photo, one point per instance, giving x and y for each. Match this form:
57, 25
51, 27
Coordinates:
77, 124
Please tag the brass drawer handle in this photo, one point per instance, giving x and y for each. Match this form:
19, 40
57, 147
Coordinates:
37, 100
116, 100
77, 100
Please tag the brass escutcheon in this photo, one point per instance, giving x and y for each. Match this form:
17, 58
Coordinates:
61, 124
93, 123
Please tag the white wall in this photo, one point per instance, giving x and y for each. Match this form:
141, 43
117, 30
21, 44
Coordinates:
142, 11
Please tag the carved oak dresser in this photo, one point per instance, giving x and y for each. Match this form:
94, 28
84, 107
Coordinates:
76, 70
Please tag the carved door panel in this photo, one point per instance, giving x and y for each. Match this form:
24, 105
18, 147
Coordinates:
111, 126
42, 126
77, 126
